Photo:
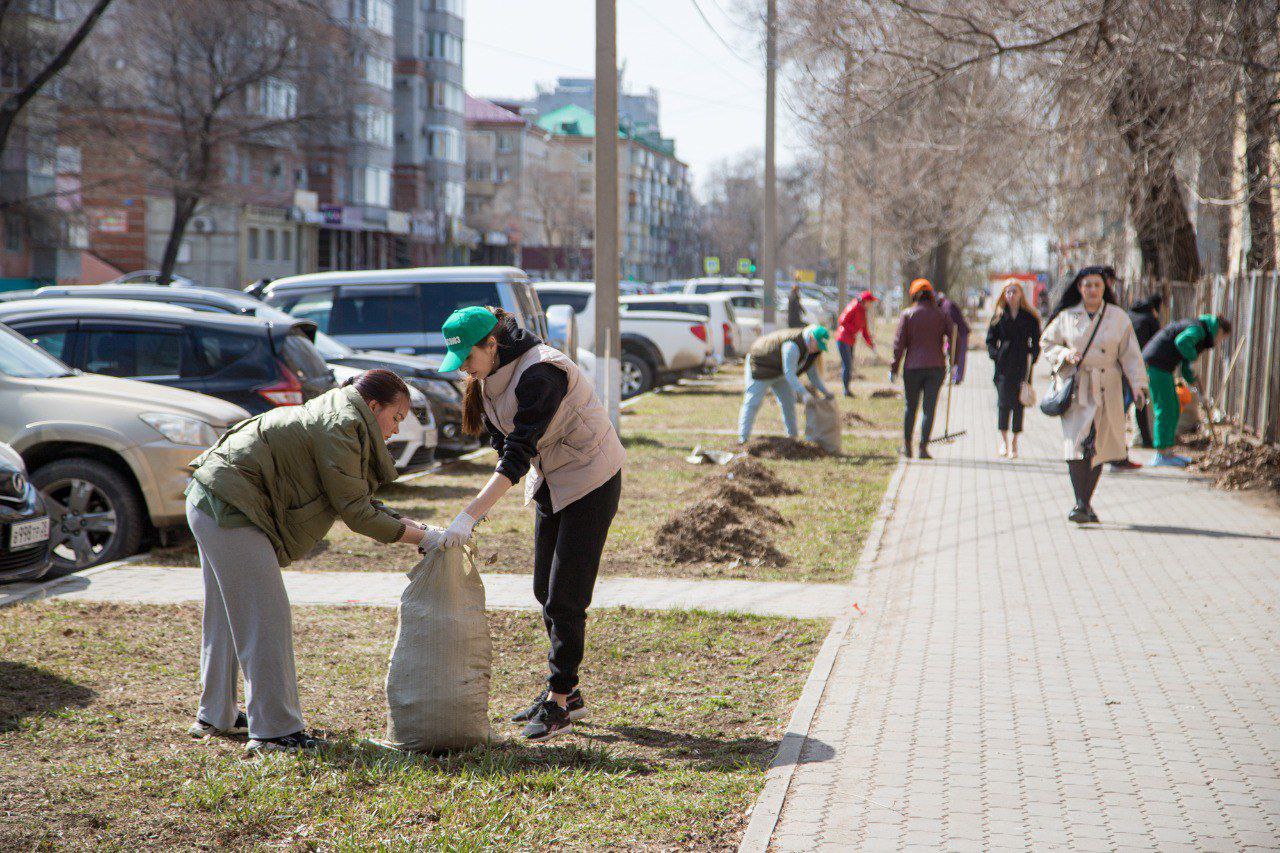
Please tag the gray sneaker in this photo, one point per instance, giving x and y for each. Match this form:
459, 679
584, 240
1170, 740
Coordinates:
295, 742
201, 729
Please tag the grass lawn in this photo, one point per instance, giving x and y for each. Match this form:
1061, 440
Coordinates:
686, 712
831, 515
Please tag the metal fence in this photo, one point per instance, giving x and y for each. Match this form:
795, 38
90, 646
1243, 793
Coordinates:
1248, 391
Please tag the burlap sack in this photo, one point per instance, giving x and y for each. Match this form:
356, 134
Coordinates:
822, 423
438, 679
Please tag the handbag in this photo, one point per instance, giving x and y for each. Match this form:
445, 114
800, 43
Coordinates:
1058, 400
1027, 394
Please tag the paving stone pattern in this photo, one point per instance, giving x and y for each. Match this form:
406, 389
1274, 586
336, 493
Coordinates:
1020, 683
168, 585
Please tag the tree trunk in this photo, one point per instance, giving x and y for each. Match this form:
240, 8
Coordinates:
184, 207
1257, 30
940, 265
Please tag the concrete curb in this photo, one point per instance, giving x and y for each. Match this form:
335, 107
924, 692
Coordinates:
44, 588
768, 806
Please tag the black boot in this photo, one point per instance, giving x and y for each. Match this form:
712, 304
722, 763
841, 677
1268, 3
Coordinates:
1079, 514
924, 451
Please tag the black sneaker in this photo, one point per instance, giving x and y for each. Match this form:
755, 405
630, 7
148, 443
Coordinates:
551, 720
201, 729
924, 452
1091, 516
1079, 515
295, 742
577, 707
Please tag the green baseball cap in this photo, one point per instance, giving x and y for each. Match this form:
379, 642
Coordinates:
465, 328
820, 336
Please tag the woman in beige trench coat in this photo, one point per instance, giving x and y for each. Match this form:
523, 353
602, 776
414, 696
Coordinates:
1093, 427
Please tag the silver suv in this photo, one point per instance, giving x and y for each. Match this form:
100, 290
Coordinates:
403, 310
109, 454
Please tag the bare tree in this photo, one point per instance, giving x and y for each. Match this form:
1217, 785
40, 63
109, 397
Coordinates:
567, 214
735, 193
208, 76
33, 55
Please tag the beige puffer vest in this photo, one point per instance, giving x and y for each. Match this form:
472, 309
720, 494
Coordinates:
580, 450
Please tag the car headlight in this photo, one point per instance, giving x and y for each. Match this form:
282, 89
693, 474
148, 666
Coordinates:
180, 429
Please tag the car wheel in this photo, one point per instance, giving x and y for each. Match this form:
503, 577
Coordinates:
637, 375
95, 515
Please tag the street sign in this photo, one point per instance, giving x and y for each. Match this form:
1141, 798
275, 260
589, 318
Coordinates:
711, 264
745, 267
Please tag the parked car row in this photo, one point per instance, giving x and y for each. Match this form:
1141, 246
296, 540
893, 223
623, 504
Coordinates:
110, 390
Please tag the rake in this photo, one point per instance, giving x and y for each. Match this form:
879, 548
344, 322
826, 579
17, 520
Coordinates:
947, 435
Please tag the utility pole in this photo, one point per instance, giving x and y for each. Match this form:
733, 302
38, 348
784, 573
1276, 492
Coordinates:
769, 252
607, 345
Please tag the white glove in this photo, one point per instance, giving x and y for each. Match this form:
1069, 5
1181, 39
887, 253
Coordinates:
458, 531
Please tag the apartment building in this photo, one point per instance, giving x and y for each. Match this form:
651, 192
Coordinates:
508, 162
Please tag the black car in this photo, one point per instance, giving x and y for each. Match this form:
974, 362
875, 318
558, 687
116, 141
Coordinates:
252, 362
441, 390
24, 523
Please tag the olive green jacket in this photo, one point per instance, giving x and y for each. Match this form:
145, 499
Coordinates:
293, 471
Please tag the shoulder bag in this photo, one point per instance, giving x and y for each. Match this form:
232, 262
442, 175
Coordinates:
1058, 400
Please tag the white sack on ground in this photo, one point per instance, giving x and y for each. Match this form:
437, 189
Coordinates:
822, 423
438, 680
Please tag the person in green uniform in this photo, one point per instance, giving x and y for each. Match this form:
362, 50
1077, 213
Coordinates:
1175, 347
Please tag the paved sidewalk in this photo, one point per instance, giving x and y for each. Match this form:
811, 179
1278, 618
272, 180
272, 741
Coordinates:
167, 585
1016, 682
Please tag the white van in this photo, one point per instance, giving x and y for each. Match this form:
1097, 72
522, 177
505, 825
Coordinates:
403, 310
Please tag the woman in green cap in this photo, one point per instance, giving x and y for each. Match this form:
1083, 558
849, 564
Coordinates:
774, 365
541, 414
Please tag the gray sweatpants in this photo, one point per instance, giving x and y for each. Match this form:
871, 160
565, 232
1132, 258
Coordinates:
246, 620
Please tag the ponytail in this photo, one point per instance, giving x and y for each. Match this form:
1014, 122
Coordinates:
472, 405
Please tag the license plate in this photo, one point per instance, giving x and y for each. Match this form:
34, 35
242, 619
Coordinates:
28, 533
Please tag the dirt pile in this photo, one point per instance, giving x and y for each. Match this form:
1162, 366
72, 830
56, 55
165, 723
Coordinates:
854, 420
1241, 465
756, 477
780, 447
740, 498
884, 393
712, 531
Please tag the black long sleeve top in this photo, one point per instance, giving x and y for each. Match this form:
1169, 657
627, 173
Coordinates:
539, 393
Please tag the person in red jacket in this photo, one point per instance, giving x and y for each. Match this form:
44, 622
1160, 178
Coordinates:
853, 322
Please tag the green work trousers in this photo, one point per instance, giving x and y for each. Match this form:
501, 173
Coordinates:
1164, 399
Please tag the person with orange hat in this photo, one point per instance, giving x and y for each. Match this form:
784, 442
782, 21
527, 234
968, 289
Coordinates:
918, 348
853, 322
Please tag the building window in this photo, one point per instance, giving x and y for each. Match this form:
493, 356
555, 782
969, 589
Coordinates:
505, 142
585, 156
501, 176
253, 244
286, 245
271, 244
479, 170
377, 15
455, 198
373, 124
440, 45
453, 7
447, 96
445, 143
371, 185
273, 98
375, 70
584, 185
12, 234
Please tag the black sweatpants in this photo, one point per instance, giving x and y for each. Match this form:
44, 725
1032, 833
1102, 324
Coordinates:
1003, 414
918, 383
566, 559
1143, 415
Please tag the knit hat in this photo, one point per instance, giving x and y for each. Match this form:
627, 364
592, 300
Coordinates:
919, 285
465, 328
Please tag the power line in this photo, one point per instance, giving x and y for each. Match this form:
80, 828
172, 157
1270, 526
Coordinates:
732, 50
697, 49
576, 69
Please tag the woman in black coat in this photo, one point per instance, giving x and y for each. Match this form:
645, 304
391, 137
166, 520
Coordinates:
1013, 342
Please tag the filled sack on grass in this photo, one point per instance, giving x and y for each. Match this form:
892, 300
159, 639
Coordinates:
822, 423
438, 679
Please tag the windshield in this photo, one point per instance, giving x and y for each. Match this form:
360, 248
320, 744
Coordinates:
331, 348
24, 360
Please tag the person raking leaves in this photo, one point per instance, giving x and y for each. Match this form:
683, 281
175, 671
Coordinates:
541, 415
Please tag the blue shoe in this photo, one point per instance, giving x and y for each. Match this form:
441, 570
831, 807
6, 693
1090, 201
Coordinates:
1170, 460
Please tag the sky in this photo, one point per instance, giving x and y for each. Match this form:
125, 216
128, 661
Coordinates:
711, 95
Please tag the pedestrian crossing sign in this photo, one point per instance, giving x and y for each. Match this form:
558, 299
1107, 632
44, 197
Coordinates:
711, 264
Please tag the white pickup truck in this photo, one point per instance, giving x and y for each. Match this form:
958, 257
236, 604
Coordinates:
657, 346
